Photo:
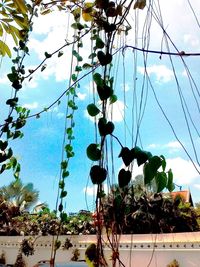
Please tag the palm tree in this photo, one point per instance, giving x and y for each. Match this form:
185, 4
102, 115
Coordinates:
20, 195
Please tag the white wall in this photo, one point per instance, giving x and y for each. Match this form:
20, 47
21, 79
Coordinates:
135, 250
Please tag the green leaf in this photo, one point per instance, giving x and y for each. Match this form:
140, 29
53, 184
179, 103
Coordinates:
77, 26
63, 217
4, 49
74, 77
170, 184
92, 56
104, 92
99, 43
3, 145
87, 66
155, 163
60, 53
65, 174
78, 68
124, 178
61, 184
12, 76
43, 67
164, 163
105, 127
161, 181
17, 134
92, 110
98, 174
113, 99
63, 194
93, 152
76, 54
151, 168
60, 207
126, 155
47, 55
97, 79
9, 153
142, 157
103, 58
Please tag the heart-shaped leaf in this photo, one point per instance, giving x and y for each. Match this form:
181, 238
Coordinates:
3, 145
92, 110
98, 174
142, 157
98, 80
134, 152
103, 58
170, 184
124, 178
126, 155
109, 27
93, 152
104, 92
99, 43
161, 181
105, 127
151, 168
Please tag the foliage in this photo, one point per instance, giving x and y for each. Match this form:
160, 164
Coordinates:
123, 213
27, 247
14, 21
43, 223
2, 258
174, 263
20, 195
20, 261
76, 255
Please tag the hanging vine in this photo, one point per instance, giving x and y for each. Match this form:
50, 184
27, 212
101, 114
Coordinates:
103, 20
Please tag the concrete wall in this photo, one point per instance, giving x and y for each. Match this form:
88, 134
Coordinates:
135, 250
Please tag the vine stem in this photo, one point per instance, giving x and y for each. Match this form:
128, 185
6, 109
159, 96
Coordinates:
117, 140
181, 53
55, 52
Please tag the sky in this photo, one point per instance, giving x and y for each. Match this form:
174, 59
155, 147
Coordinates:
40, 150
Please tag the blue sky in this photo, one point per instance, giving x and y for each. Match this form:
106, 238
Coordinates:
40, 150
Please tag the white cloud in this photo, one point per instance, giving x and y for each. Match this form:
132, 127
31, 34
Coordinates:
174, 144
197, 186
33, 105
91, 190
183, 170
4, 79
191, 40
49, 34
153, 146
116, 111
81, 96
56, 111
60, 115
125, 87
162, 72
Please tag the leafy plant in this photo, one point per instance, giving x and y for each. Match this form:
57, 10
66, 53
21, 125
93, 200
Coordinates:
174, 263
20, 261
2, 258
148, 213
76, 255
